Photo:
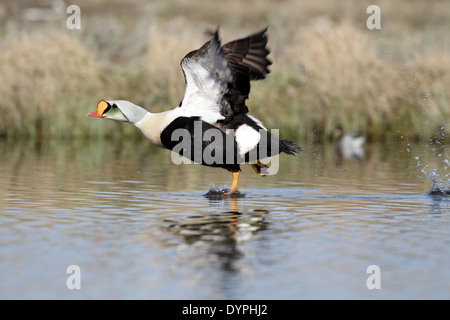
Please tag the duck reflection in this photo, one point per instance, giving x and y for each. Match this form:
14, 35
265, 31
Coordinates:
213, 239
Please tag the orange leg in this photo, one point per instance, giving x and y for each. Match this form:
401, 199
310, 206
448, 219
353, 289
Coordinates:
257, 167
234, 188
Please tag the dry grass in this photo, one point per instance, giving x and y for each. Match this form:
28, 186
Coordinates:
41, 81
328, 67
47, 84
340, 78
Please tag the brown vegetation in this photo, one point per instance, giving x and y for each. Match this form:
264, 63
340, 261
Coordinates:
328, 68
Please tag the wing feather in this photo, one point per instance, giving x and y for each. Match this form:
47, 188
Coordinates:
252, 48
218, 77
207, 75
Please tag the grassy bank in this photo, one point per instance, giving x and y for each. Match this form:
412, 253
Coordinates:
328, 68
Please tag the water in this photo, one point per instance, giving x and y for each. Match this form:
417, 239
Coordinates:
139, 227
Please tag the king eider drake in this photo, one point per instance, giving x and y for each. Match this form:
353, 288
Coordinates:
211, 125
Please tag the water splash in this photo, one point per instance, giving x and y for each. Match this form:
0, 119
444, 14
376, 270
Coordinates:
222, 192
438, 149
441, 184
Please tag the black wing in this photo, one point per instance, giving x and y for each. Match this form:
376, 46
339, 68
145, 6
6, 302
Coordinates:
248, 60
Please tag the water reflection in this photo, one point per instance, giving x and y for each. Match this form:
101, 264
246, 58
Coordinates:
440, 203
342, 156
134, 221
216, 237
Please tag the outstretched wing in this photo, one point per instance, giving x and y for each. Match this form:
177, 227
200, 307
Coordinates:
248, 56
248, 60
207, 75
218, 78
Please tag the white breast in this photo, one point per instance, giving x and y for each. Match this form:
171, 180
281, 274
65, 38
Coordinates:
154, 123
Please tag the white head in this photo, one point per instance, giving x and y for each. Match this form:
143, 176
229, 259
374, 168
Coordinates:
119, 110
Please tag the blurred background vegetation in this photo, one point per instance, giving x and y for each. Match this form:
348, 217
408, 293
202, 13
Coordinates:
328, 68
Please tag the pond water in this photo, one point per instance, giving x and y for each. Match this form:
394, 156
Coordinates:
139, 227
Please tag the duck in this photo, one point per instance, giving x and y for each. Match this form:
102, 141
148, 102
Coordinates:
349, 145
211, 125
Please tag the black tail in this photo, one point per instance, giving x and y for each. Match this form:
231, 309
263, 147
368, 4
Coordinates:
289, 147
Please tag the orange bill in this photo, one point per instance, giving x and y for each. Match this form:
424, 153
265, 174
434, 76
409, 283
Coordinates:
95, 114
